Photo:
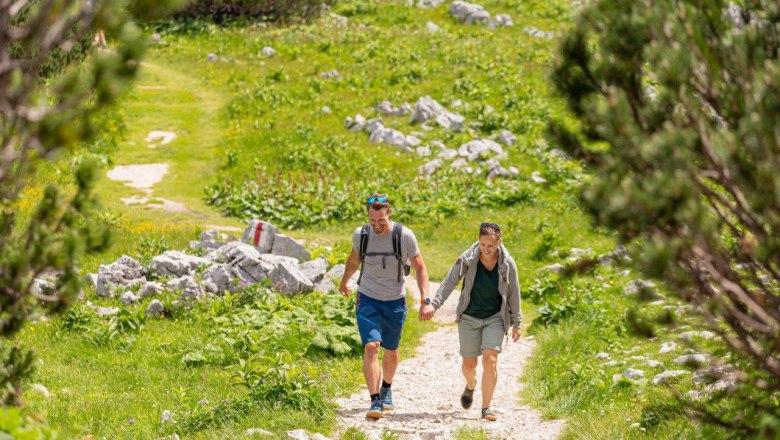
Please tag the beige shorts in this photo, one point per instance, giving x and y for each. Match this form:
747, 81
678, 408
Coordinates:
479, 334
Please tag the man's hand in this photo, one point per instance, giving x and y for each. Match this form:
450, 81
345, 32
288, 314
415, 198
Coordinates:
426, 312
516, 334
344, 290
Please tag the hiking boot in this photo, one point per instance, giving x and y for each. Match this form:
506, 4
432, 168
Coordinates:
386, 397
376, 410
488, 414
467, 398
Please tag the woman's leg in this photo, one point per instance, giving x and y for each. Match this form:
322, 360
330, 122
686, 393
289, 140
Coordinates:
469, 369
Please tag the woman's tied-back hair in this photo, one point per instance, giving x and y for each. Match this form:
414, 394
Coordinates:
378, 201
487, 228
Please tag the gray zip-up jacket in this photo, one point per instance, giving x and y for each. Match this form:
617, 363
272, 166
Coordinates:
508, 285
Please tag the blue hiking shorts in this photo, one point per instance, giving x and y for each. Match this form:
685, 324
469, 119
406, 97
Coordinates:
380, 321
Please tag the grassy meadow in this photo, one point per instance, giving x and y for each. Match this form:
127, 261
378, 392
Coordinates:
253, 141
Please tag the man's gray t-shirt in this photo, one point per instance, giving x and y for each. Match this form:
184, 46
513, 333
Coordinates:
380, 281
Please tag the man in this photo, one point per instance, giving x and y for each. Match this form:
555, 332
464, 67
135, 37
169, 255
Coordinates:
381, 302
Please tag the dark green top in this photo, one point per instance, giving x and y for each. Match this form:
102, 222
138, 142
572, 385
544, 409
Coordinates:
485, 299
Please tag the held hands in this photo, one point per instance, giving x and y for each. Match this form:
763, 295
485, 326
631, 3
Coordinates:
426, 312
515, 334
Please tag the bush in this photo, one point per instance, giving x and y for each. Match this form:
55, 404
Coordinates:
268, 10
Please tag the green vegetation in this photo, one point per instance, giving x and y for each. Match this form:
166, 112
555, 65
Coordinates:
666, 115
253, 141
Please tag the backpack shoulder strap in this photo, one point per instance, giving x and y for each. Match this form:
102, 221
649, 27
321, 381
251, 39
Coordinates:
396, 238
363, 241
397, 229
362, 248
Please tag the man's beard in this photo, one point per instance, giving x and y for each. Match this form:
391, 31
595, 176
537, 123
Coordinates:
379, 230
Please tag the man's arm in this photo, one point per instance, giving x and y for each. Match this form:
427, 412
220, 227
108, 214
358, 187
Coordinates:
426, 311
352, 265
422, 275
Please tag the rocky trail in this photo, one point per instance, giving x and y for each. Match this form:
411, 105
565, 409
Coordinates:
427, 387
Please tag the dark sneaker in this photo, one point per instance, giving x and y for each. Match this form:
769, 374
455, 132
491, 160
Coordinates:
467, 398
376, 410
386, 397
488, 414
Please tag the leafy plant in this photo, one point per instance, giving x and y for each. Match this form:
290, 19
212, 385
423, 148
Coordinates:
279, 382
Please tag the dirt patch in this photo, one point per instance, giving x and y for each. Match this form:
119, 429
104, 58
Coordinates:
142, 177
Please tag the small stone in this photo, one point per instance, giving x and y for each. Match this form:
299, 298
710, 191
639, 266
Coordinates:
667, 347
268, 51
212, 57
41, 389
258, 431
537, 177
155, 308
128, 298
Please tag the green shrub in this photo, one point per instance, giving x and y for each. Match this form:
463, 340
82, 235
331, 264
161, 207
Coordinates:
268, 10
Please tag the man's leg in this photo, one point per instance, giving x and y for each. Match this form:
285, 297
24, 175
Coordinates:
371, 366
389, 365
489, 375
393, 318
369, 319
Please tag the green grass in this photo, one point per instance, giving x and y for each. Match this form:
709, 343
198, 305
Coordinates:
251, 119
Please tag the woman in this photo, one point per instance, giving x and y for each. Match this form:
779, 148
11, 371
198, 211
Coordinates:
489, 304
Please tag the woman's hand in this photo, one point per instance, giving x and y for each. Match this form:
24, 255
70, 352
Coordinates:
426, 312
515, 334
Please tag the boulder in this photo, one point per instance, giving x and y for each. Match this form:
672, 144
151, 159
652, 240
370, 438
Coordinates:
190, 290
211, 239
337, 272
260, 234
469, 13
219, 278
447, 154
314, 270
150, 288
325, 286
246, 260
429, 167
288, 247
123, 272
176, 263
287, 278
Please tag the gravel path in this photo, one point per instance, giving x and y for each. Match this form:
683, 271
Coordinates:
427, 387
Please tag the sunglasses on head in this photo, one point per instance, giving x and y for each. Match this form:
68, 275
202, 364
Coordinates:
488, 225
376, 199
